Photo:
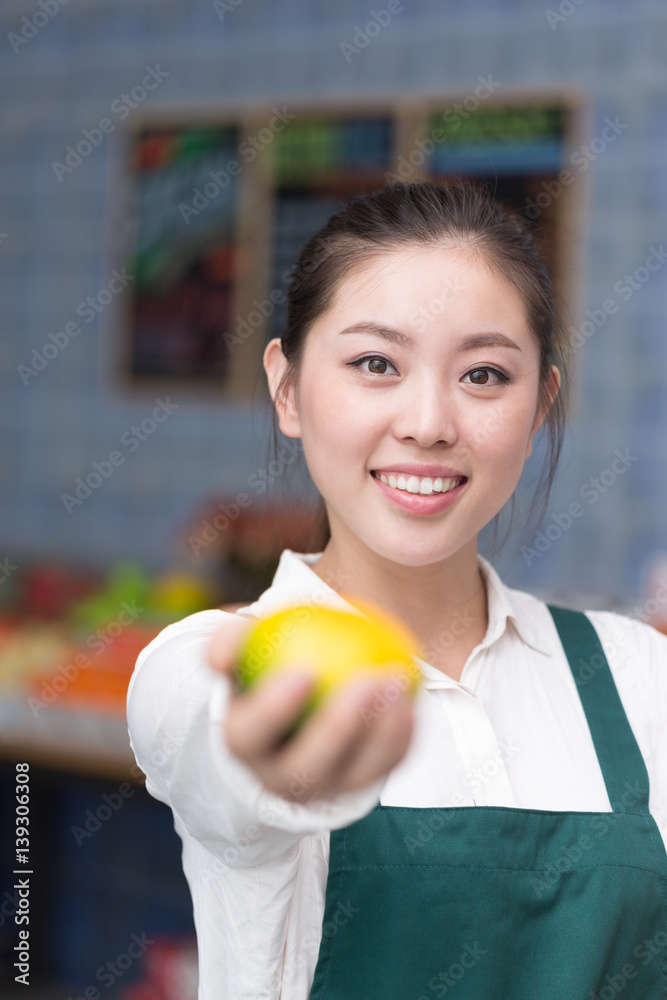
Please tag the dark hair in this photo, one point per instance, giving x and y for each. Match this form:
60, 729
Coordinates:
459, 215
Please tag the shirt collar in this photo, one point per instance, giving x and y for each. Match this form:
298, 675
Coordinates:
515, 606
296, 582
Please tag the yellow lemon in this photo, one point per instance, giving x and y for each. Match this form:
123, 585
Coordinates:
335, 645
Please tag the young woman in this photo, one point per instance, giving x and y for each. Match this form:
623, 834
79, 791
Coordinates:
503, 837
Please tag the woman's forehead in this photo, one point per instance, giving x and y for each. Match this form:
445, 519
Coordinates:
411, 269
433, 280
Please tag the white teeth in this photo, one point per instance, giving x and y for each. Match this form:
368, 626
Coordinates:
425, 486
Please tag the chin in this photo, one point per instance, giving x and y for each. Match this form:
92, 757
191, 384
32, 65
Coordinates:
416, 552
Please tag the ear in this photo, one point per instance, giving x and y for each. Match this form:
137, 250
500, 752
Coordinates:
275, 366
553, 391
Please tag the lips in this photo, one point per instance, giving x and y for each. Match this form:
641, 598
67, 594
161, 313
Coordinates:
422, 498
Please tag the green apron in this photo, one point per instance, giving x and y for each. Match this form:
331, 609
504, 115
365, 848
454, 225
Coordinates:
498, 903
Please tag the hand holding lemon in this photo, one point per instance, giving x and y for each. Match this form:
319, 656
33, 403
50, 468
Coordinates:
311, 680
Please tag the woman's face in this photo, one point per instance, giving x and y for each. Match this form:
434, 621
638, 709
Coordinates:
416, 402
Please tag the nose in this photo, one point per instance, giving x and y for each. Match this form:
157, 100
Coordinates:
425, 413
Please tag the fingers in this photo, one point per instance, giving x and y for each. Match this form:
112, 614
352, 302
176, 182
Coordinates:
225, 644
382, 749
259, 717
347, 743
328, 736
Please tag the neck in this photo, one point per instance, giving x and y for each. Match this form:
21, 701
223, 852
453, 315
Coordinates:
444, 603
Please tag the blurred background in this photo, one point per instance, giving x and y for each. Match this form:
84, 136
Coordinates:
162, 163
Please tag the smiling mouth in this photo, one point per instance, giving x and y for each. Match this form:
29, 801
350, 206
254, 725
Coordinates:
422, 485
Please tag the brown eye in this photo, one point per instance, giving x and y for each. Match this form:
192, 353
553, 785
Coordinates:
480, 376
377, 365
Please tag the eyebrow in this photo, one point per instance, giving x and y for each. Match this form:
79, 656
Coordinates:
469, 343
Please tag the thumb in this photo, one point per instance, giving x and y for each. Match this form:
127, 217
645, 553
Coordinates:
226, 643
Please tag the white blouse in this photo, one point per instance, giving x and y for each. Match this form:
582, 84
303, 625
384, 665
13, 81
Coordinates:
512, 732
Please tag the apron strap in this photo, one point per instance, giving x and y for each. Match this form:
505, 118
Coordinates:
619, 756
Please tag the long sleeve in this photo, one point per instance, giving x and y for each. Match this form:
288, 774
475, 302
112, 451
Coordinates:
176, 709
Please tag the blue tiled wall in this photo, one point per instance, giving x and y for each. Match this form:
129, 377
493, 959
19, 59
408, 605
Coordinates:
62, 238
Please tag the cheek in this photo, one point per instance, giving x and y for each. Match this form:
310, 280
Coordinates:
331, 415
500, 434
329, 430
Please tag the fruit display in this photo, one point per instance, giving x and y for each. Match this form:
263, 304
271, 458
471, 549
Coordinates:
73, 638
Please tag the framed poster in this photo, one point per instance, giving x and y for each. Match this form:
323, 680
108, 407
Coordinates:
185, 252
223, 204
